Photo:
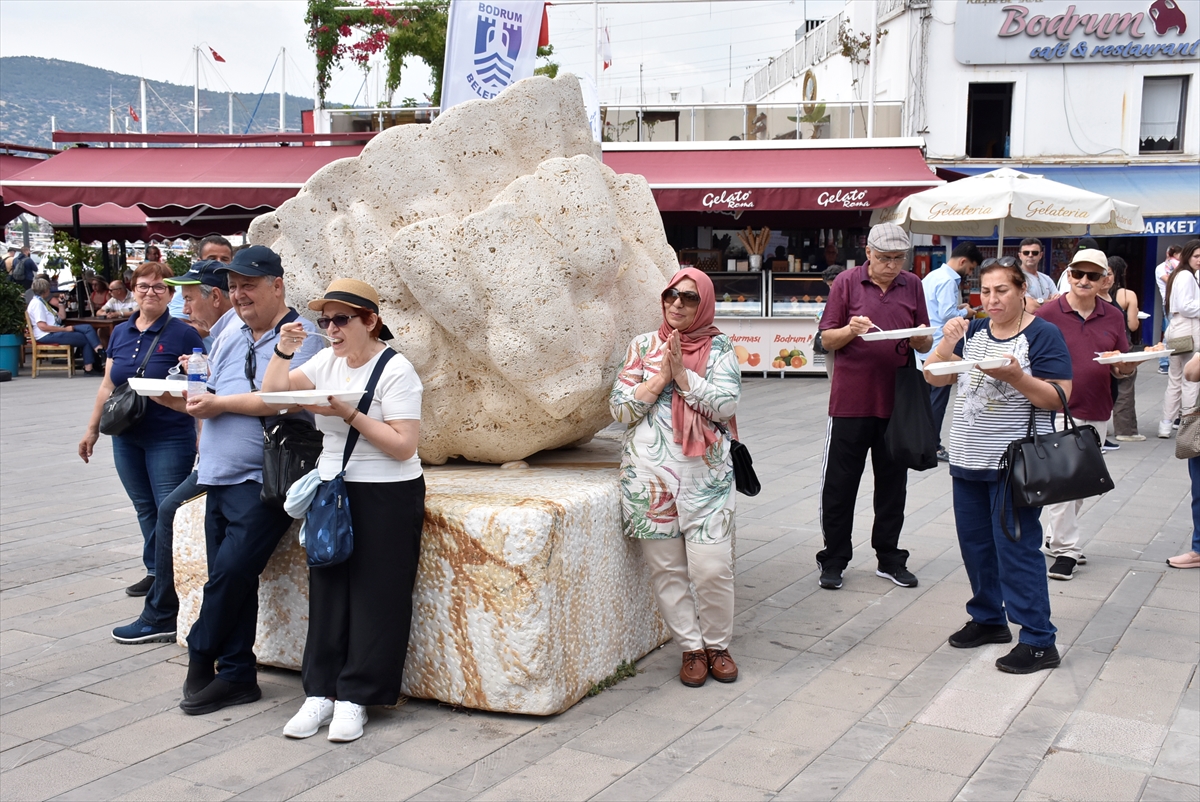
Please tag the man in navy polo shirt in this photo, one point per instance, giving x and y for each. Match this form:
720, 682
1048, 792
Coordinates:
883, 295
241, 532
205, 290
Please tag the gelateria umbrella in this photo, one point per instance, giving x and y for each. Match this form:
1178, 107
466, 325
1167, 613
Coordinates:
1011, 203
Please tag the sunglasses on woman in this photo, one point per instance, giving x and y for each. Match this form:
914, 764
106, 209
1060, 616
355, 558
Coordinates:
1079, 274
341, 321
688, 297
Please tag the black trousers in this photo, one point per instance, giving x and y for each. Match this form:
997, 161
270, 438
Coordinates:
846, 448
360, 611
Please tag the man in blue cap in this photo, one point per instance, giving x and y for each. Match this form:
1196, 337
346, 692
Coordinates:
241, 532
205, 293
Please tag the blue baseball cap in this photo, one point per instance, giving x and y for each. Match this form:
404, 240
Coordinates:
206, 273
257, 260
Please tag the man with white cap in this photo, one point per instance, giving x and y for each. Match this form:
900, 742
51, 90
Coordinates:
883, 295
1089, 326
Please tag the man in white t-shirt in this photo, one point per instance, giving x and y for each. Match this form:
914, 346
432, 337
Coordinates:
1039, 287
1161, 274
120, 303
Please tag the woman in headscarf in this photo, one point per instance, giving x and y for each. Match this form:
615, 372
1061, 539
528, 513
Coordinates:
678, 388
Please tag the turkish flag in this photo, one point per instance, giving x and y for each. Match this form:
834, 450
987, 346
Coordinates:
544, 36
216, 56
133, 114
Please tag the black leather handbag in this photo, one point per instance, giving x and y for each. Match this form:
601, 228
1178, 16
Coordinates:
910, 440
1041, 469
291, 448
125, 407
744, 477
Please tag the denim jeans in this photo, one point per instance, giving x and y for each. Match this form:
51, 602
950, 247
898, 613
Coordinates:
150, 466
84, 337
162, 605
1007, 578
1194, 470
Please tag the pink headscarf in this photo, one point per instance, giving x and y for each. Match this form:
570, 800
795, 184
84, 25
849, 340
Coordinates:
695, 343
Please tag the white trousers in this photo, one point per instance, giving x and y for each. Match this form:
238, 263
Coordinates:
1061, 524
705, 621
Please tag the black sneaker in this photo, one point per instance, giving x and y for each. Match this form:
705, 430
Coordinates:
1109, 445
141, 587
1063, 568
1026, 659
974, 634
901, 576
219, 694
831, 579
943, 455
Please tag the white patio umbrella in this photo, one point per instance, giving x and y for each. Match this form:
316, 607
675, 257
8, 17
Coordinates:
1017, 204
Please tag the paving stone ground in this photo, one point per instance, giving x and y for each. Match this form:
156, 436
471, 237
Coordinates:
848, 695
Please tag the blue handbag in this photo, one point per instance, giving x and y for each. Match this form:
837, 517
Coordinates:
328, 531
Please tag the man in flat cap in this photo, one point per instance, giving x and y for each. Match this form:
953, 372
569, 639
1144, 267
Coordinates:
879, 294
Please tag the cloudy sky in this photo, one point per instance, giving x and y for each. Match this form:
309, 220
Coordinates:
678, 45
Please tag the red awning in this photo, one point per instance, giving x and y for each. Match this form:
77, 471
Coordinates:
180, 177
10, 166
726, 179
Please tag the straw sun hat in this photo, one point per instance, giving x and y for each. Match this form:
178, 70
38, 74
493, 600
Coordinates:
355, 293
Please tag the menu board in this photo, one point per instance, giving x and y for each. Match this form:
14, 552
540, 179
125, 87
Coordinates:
774, 345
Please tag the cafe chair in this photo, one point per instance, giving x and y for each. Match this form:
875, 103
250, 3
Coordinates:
47, 354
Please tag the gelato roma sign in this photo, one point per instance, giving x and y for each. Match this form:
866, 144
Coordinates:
1082, 32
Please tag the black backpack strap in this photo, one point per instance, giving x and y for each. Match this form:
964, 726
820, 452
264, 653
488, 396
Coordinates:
365, 402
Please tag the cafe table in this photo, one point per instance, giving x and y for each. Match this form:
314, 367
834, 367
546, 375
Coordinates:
102, 325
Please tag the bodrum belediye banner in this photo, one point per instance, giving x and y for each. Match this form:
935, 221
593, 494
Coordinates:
489, 46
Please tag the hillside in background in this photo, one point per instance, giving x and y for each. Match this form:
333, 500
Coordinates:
34, 89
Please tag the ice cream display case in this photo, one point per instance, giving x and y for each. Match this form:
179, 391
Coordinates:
739, 294
794, 295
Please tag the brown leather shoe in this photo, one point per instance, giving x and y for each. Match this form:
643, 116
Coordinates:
721, 665
695, 669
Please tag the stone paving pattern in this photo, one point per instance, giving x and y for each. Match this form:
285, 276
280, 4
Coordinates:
849, 695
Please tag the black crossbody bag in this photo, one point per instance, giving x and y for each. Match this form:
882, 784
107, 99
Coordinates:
1041, 469
744, 477
124, 408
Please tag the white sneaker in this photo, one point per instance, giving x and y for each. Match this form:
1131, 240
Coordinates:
348, 721
315, 713
1164, 429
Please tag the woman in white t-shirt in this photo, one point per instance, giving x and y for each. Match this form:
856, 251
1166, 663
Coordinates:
359, 611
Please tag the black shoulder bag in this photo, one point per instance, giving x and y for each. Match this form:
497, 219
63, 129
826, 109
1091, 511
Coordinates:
1041, 469
124, 408
744, 477
328, 528
909, 438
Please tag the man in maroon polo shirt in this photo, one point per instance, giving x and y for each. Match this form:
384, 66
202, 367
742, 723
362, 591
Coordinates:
1088, 324
878, 294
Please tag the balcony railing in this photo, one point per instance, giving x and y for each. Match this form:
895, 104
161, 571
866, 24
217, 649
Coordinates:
711, 122
817, 45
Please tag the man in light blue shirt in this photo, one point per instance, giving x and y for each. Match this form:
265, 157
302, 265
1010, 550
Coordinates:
943, 298
215, 248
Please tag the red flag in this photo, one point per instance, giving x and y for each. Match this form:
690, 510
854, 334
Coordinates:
606, 48
216, 55
133, 114
544, 36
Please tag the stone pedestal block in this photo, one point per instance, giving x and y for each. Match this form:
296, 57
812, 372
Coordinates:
527, 592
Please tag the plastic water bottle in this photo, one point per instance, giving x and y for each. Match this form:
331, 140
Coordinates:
197, 369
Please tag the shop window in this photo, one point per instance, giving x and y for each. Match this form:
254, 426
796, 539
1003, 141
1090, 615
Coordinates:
989, 120
1164, 101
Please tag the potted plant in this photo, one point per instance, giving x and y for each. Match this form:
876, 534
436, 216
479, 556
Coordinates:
12, 325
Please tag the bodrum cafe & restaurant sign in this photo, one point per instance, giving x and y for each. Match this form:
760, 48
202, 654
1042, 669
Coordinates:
1080, 32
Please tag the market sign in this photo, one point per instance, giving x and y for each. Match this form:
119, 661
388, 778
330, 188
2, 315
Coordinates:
1081, 32
741, 199
1180, 226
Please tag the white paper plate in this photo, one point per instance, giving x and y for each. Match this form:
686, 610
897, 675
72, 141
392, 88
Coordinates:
314, 397
897, 334
963, 365
1143, 316
1134, 356
152, 388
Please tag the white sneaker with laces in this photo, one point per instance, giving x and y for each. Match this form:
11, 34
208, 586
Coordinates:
348, 721
1164, 429
315, 713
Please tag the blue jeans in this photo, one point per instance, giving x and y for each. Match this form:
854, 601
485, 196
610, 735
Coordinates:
241, 534
162, 605
84, 337
1007, 578
1194, 471
151, 465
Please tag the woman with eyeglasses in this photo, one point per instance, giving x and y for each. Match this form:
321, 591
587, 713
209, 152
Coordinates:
677, 392
359, 611
1182, 309
157, 453
991, 409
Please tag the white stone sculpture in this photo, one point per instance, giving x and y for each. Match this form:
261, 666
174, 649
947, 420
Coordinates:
527, 593
512, 265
